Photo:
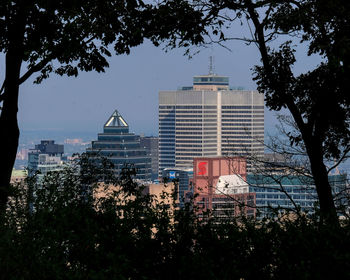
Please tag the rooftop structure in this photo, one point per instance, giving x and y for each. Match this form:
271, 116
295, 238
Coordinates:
47, 156
49, 147
121, 147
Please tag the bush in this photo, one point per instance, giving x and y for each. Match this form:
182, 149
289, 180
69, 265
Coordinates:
59, 229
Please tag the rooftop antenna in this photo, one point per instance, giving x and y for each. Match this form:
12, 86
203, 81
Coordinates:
211, 65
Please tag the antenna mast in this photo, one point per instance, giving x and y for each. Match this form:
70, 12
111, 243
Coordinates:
211, 65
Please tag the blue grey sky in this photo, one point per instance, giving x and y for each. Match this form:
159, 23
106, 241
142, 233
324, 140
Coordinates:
131, 85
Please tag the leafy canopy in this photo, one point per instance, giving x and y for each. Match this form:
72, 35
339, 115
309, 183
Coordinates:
65, 36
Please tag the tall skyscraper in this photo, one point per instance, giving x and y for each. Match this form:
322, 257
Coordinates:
121, 147
209, 119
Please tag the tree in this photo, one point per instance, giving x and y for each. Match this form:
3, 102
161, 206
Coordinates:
318, 100
127, 234
65, 37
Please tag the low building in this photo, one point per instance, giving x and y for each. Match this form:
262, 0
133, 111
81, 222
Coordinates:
47, 156
162, 194
181, 177
220, 187
287, 191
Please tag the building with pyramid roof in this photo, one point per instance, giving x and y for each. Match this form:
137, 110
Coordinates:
121, 147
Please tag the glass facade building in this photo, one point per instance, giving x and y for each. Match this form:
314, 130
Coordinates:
288, 191
121, 147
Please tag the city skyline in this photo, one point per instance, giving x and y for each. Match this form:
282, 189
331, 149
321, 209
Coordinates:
134, 79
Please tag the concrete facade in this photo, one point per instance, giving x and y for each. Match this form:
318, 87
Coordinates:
209, 120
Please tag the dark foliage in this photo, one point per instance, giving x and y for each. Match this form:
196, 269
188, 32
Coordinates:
62, 234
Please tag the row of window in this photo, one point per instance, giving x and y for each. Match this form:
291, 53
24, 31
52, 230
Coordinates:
243, 116
166, 123
167, 118
195, 120
237, 124
284, 196
200, 111
243, 107
196, 116
188, 146
189, 128
195, 137
261, 202
166, 145
166, 107
260, 112
246, 126
189, 141
186, 158
167, 156
241, 111
294, 189
188, 124
208, 107
242, 120
188, 149
196, 107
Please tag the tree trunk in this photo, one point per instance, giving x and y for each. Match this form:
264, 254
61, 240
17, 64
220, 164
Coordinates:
8, 119
8, 123
313, 147
324, 190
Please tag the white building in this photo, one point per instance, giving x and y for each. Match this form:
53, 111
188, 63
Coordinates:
209, 119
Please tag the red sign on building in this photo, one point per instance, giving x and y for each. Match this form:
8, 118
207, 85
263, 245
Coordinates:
202, 168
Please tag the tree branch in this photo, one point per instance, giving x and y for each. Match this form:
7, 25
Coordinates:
36, 68
344, 156
2, 89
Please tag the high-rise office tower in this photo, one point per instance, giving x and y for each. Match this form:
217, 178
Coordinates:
150, 143
121, 147
209, 119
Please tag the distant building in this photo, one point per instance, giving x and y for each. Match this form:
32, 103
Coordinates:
209, 119
22, 154
181, 177
47, 156
74, 141
49, 147
275, 163
150, 143
162, 194
290, 190
220, 186
121, 147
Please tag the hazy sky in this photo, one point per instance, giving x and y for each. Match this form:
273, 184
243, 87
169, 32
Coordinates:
130, 85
